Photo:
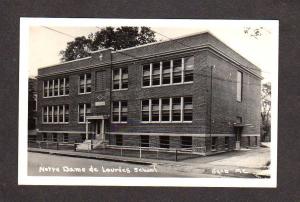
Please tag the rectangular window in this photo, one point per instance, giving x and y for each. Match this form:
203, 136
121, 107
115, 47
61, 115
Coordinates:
156, 74
155, 110
54, 137
165, 109
115, 111
56, 87
177, 71
120, 78
46, 88
66, 113
214, 143
83, 111
124, 78
187, 109
239, 86
119, 111
50, 114
124, 111
45, 114
61, 113
164, 141
44, 138
188, 69
145, 141
166, 72
226, 142
61, 86
55, 114
85, 83
116, 79
145, 110
65, 137
176, 109
186, 141
50, 88
119, 140
67, 86
146, 75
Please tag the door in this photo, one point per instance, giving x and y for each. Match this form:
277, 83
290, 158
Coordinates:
99, 129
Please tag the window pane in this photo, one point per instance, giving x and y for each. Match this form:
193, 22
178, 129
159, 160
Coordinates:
164, 141
50, 88
176, 109
50, 114
56, 87
45, 88
146, 75
186, 142
144, 140
166, 68
156, 74
124, 78
44, 114
88, 83
66, 113
239, 86
116, 79
188, 109
145, 110
165, 109
124, 111
116, 111
155, 110
67, 87
177, 71
188, 69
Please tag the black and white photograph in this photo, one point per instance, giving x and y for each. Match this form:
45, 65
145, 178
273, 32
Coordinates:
141, 102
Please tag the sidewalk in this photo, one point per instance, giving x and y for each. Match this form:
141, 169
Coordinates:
231, 164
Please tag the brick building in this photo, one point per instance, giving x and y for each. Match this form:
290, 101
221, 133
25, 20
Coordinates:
190, 92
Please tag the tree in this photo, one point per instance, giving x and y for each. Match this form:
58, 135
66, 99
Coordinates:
109, 37
266, 110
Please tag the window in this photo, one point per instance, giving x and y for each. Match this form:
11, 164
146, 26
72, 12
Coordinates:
85, 83
156, 74
124, 111
186, 141
120, 78
187, 109
65, 137
145, 110
146, 75
166, 72
239, 86
239, 119
46, 88
177, 71
55, 117
45, 114
164, 141
165, 109
119, 140
124, 78
144, 140
56, 114
54, 137
155, 110
51, 88
176, 109
44, 138
188, 69
214, 143
119, 111
226, 142
56, 87
83, 111
50, 114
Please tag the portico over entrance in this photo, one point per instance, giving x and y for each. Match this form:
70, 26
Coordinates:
96, 126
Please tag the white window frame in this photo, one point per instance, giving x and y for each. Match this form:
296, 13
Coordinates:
59, 85
84, 113
119, 112
160, 111
84, 84
171, 74
120, 79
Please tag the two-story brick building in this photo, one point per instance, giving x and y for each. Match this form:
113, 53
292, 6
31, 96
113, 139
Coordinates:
192, 91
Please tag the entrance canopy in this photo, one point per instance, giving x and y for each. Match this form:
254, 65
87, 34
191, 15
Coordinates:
101, 117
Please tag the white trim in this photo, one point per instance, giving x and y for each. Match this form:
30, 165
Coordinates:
66, 62
250, 135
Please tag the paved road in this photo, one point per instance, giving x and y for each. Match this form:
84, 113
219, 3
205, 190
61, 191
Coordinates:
53, 165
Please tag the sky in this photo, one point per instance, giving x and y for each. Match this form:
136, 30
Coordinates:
45, 44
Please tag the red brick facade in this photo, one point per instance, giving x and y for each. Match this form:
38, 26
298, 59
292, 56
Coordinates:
215, 109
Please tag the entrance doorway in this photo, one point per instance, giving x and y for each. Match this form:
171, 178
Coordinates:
99, 128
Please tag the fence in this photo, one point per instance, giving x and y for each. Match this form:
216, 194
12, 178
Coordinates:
51, 145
